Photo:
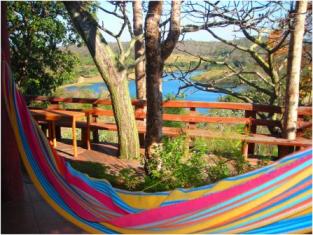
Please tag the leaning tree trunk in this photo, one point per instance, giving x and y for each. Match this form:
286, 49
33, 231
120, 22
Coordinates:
156, 54
139, 51
293, 71
115, 79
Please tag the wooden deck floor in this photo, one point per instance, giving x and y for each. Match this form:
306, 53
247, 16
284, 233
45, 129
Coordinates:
107, 154
103, 153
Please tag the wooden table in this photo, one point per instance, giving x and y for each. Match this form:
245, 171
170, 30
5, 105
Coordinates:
51, 115
42, 114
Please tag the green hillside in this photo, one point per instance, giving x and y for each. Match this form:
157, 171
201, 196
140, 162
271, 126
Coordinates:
181, 58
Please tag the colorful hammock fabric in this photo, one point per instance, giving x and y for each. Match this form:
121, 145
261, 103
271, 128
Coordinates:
273, 199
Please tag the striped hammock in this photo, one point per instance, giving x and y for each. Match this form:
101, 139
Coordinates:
273, 199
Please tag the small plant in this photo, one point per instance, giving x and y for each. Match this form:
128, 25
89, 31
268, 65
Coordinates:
241, 165
218, 171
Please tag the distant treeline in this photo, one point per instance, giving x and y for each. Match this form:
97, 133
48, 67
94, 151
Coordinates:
213, 50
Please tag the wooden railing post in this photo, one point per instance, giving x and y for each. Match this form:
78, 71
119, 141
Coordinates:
56, 105
95, 133
193, 112
251, 129
141, 108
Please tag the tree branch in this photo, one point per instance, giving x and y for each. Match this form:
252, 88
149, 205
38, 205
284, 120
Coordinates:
169, 44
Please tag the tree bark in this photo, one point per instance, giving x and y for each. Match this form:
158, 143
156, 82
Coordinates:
293, 71
156, 54
140, 72
114, 77
154, 66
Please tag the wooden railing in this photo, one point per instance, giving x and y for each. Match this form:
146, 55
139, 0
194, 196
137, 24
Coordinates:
249, 118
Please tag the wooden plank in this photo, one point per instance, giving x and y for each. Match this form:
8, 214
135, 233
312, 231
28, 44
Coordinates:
197, 119
177, 104
263, 139
222, 105
305, 111
194, 118
253, 138
304, 124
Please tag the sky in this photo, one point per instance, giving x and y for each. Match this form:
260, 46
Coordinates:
113, 24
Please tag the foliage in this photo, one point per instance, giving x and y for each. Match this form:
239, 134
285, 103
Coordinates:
218, 171
230, 149
38, 33
173, 165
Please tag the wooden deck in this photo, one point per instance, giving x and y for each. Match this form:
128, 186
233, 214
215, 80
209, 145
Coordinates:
107, 154
103, 153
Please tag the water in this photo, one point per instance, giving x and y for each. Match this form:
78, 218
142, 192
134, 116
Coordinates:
169, 87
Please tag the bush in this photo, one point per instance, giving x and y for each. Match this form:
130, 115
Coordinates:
174, 165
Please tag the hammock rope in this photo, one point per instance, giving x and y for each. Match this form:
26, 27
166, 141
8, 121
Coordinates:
273, 199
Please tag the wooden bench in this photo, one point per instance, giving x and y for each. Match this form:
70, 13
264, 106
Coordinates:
249, 119
249, 138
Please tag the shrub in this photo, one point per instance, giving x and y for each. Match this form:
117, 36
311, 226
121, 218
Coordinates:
173, 165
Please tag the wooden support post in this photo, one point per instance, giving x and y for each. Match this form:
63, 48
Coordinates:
58, 134
53, 137
50, 134
193, 112
74, 137
95, 133
140, 108
245, 150
250, 129
88, 133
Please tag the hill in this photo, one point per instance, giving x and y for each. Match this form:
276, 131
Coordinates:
182, 57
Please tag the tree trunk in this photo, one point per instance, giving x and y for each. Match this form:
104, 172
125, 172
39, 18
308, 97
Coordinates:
124, 117
153, 76
293, 71
156, 54
139, 51
114, 77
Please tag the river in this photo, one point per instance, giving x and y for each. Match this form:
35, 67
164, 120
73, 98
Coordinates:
169, 87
